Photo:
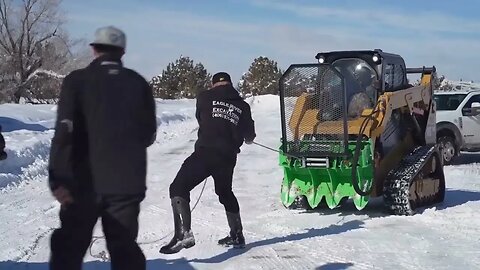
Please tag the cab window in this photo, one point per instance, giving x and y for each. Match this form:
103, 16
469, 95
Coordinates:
449, 102
466, 110
475, 98
394, 77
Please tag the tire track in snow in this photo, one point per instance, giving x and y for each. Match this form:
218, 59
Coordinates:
44, 231
31, 250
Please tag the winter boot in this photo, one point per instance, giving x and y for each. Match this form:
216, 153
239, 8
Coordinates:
235, 238
183, 237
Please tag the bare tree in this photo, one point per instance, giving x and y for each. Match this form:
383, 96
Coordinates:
32, 40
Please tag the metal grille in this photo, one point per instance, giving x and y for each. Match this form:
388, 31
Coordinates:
313, 108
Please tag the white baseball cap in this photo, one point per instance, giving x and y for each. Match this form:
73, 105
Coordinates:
110, 36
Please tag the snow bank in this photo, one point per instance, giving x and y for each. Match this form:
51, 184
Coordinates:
264, 102
27, 157
27, 117
174, 111
28, 130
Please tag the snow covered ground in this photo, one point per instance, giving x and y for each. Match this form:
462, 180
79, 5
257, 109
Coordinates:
446, 236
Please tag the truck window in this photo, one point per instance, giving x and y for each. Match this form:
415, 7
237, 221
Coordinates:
449, 102
475, 98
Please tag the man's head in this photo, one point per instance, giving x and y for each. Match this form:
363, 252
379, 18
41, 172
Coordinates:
109, 40
364, 75
221, 78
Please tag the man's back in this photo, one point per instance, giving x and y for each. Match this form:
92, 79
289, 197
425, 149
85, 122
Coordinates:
97, 166
224, 118
117, 104
119, 115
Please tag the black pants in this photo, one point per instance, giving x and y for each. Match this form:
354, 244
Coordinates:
3, 155
119, 214
202, 164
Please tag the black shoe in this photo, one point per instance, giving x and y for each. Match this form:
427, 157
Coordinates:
172, 246
234, 239
226, 241
178, 243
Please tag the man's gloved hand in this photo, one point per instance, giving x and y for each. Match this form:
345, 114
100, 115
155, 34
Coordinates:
63, 196
62, 186
248, 142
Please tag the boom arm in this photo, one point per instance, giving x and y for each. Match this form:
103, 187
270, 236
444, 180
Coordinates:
408, 98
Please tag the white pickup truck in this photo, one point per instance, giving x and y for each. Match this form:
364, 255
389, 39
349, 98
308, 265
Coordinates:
458, 122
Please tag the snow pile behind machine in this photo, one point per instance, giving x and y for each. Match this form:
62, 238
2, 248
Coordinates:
354, 128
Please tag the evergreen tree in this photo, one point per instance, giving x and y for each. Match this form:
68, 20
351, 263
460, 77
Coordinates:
296, 83
262, 77
181, 79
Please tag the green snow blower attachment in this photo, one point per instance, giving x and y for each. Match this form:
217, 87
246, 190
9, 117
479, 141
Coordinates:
353, 128
326, 178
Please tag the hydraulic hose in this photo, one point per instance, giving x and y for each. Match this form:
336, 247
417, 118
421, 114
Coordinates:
356, 156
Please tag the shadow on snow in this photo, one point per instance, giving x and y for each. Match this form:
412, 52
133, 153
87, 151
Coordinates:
9, 124
335, 266
376, 208
456, 197
466, 158
310, 233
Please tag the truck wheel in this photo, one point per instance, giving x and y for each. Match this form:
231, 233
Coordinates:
448, 148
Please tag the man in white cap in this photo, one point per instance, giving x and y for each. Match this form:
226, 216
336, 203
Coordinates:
105, 121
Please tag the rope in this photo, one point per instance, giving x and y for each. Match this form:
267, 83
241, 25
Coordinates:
275, 150
103, 255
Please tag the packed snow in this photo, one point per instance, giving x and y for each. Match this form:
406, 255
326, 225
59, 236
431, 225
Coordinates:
446, 236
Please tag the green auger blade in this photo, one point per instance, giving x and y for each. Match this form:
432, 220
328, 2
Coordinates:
332, 183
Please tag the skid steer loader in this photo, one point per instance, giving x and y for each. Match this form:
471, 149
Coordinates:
354, 128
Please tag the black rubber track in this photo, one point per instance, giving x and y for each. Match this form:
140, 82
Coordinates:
396, 189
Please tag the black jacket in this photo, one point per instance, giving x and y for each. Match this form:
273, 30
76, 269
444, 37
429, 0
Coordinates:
105, 121
3, 154
224, 119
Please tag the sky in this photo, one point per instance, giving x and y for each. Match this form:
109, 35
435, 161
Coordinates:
228, 35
